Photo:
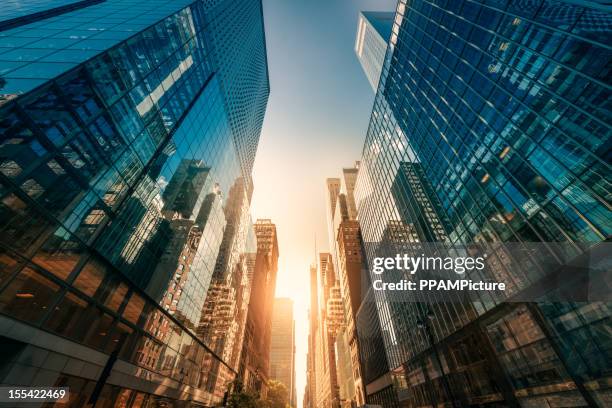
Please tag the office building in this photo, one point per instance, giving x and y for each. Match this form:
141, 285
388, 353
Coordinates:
254, 369
310, 392
375, 375
282, 348
345, 241
332, 197
326, 322
349, 178
306, 399
490, 126
340, 204
373, 32
124, 143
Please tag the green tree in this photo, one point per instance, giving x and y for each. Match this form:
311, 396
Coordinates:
242, 400
239, 398
277, 395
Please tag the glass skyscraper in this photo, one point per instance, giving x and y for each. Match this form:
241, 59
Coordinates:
128, 131
373, 32
492, 124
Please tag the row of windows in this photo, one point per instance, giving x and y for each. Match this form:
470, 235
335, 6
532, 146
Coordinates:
461, 370
244, 80
103, 313
110, 396
128, 158
35, 52
134, 213
486, 136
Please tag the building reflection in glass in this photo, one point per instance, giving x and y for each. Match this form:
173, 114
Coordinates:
501, 107
117, 172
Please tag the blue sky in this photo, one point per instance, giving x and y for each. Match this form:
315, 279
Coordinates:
318, 112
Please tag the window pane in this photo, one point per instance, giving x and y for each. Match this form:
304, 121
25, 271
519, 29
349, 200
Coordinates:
133, 308
99, 329
90, 278
59, 254
67, 316
116, 297
28, 296
8, 265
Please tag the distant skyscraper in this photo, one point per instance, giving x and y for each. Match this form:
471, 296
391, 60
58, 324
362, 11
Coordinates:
326, 321
341, 206
345, 241
255, 359
490, 125
349, 179
310, 397
373, 32
332, 197
282, 349
127, 135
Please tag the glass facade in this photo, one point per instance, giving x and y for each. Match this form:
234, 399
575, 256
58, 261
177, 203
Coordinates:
492, 124
243, 69
123, 194
17, 12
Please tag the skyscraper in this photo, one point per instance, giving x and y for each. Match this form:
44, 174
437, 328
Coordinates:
490, 126
310, 393
326, 321
349, 179
373, 32
125, 160
282, 348
346, 244
333, 205
255, 359
238, 26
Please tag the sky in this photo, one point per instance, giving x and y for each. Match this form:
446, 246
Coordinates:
316, 121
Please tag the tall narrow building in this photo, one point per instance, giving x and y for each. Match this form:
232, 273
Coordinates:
282, 349
490, 127
125, 155
332, 201
310, 393
255, 359
373, 32
326, 321
352, 275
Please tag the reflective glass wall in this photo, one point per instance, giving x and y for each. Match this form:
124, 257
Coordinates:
491, 124
119, 181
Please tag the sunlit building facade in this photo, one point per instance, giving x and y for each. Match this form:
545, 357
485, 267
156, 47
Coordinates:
254, 371
122, 176
333, 206
347, 250
491, 125
310, 391
326, 322
282, 346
